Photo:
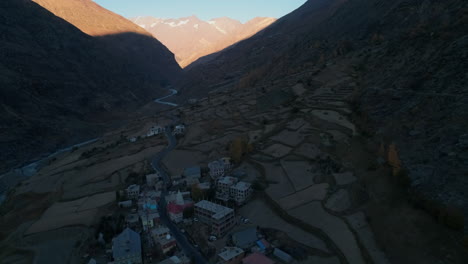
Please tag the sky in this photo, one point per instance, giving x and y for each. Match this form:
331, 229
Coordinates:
242, 10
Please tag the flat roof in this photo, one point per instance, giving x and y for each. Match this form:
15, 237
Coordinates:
218, 210
227, 180
242, 186
230, 253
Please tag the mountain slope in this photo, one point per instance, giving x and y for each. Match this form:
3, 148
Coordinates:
60, 85
191, 38
409, 65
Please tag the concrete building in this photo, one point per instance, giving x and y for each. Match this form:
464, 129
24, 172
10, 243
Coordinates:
192, 175
159, 232
166, 244
132, 220
231, 255
219, 167
133, 191
152, 179
223, 187
176, 260
216, 169
126, 248
126, 204
240, 192
175, 212
149, 220
155, 130
285, 257
179, 130
220, 218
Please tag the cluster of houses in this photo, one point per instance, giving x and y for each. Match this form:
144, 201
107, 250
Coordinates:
143, 218
179, 130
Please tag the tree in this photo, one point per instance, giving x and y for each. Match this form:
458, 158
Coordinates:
188, 212
238, 148
394, 159
197, 193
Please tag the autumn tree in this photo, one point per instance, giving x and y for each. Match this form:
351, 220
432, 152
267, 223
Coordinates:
238, 148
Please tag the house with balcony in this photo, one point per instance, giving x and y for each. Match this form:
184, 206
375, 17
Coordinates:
220, 218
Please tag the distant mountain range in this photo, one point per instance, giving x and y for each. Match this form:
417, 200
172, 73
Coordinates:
190, 38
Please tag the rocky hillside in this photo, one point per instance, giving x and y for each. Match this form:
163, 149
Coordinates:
191, 38
409, 61
59, 85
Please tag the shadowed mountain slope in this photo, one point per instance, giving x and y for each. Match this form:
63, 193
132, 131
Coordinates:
409, 61
60, 85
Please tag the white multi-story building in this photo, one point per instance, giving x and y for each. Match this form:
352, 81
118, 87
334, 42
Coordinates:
220, 218
240, 192
179, 130
219, 167
223, 187
155, 130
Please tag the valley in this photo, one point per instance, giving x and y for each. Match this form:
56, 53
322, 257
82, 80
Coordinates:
333, 135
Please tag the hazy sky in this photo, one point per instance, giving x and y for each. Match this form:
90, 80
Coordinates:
242, 10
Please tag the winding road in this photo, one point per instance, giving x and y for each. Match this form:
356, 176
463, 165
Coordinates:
182, 240
159, 100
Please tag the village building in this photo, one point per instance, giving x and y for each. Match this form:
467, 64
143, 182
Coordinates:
285, 257
231, 255
133, 191
179, 130
257, 258
246, 238
126, 204
166, 243
155, 130
219, 167
204, 186
216, 169
240, 192
152, 179
176, 204
262, 246
149, 220
175, 212
220, 218
192, 175
176, 260
132, 220
126, 247
223, 187
159, 232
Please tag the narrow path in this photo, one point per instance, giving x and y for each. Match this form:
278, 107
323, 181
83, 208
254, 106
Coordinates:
159, 100
182, 240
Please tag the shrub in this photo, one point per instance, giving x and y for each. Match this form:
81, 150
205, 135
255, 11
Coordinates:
454, 218
465, 242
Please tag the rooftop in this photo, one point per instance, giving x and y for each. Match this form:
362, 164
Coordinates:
242, 186
160, 231
227, 180
245, 238
230, 253
133, 187
218, 210
192, 172
127, 243
257, 258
